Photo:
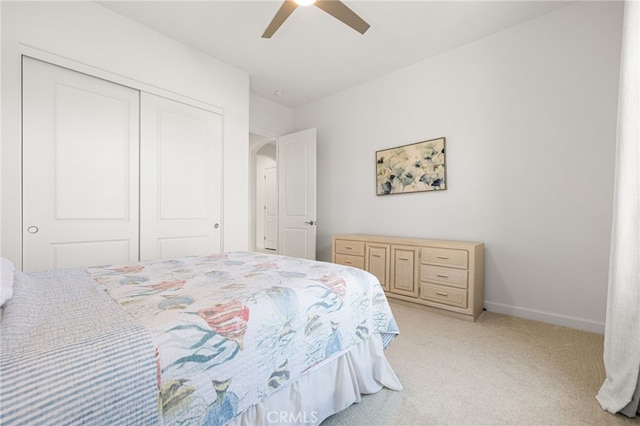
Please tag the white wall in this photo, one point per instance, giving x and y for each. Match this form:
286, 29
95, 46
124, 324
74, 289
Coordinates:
529, 115
87, 33
268, 118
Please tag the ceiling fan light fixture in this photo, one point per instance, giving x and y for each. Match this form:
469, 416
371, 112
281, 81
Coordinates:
335, 8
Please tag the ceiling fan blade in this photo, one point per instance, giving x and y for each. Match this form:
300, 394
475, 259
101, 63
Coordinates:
340, 11
287, 8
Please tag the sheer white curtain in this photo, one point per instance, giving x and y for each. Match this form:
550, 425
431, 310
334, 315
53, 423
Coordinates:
621, 389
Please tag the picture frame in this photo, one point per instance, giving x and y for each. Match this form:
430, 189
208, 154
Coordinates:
415, 167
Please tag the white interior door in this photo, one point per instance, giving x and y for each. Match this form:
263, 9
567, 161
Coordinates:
297, 194
180, 179
80, 169
271, 209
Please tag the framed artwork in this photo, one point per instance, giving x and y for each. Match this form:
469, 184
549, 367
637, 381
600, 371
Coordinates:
411, 168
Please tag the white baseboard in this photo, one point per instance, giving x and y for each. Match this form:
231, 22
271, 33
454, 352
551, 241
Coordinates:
548, 317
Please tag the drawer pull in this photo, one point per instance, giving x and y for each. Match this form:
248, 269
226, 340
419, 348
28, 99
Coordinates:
348, 247
442, 294
442, 275
348, 262
443, 257
403, 258
375, 255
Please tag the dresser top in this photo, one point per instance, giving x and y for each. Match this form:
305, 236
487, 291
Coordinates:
408, 241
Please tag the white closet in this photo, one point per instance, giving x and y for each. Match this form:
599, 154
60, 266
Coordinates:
112, 174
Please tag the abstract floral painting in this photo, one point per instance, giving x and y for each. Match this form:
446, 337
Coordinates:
411, 168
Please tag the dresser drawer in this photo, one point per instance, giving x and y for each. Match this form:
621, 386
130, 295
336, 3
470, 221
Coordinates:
350, 260
446, 276
445, 257
350, 247
445, 295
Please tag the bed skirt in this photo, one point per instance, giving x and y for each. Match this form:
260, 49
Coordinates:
326, 389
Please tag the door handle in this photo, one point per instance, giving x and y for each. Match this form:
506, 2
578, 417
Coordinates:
311, 222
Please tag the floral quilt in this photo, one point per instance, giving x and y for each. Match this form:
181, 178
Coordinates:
231, 329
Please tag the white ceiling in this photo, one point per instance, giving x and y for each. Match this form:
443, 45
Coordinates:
314, 55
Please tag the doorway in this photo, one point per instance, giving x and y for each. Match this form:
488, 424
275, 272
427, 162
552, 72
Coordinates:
283, 194
264, 194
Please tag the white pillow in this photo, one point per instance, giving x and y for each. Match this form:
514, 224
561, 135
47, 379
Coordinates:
7, 270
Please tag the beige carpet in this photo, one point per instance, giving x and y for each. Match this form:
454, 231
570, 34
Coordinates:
499, 370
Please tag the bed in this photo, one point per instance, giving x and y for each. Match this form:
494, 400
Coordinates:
235, 338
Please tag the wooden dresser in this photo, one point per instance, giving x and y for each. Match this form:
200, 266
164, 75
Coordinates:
447, 276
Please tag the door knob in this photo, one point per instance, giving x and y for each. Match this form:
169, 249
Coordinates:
32, 229
216, 225
311, 222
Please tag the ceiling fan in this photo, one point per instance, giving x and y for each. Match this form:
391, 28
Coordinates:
335, 8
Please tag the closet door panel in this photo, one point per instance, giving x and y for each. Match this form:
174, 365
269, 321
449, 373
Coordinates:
182, 162
180, 179
172, 248
80, 169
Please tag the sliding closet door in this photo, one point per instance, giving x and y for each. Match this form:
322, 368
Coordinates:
180, 179
80, 169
